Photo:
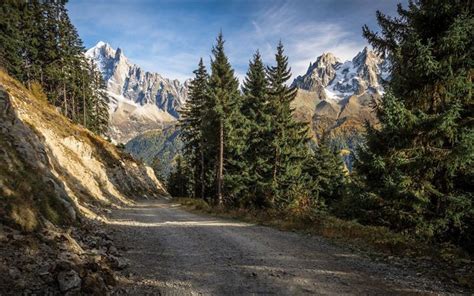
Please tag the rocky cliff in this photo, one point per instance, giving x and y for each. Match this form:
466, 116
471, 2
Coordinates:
139, 100
337, 97
56, 181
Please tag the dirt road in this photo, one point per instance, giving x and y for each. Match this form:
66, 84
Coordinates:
174, 252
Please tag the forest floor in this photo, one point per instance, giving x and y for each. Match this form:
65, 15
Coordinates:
171, 251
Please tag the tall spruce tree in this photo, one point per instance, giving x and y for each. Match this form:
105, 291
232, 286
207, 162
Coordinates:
39, 43
257, 155
419, 164
324, 171
11, 36
31, 29
290, 137
179, 179
223, 112
97, 109
192, 129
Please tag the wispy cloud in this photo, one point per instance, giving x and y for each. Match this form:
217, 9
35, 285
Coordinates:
169, 37
304, 39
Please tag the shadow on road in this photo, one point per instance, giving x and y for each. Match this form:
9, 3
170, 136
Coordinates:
174, 252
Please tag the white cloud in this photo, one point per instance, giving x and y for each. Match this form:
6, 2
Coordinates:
154, 42
304, 39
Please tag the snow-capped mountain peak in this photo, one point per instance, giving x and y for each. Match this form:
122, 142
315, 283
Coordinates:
139, 100
100, 49
119, 54
337, 97
335, 80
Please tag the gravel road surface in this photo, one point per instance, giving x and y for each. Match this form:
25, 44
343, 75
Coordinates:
174, 252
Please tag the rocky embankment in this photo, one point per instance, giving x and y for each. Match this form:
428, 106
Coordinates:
57, 183
73, 261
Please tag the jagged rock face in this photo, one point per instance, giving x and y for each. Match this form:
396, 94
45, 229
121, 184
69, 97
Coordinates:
139, 100
319, 74
365, 72
337, 96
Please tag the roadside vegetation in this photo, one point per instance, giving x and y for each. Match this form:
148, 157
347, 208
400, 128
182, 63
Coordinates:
410, 190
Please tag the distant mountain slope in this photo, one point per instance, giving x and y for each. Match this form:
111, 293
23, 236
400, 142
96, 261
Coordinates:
139, 100
336, 97
157, 148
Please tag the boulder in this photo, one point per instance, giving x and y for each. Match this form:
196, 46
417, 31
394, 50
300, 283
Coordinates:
69, 280
117, 263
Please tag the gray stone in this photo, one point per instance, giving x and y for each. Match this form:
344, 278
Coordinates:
113, 250
68, 280
14, 272
117, 263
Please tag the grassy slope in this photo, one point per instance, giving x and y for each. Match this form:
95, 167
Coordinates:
28, 189
24, 198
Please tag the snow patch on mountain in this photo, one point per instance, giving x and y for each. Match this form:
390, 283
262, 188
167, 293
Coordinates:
337, 97
138, 99
337, 81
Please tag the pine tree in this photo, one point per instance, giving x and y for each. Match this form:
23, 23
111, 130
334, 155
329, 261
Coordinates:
223, 115
325, 175
158, 167
290, 137
39, 43
97, 109
178, 180
257, 156
28, 28
419, 164
11, 37
192, 133
69, 60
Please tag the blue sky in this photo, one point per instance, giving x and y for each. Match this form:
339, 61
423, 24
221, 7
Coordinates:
169, 37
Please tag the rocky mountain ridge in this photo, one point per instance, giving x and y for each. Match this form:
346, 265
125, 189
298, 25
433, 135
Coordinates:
337, 97
139, 100
365, 72
334, 97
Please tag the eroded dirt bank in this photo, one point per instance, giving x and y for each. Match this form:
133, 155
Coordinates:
174, 252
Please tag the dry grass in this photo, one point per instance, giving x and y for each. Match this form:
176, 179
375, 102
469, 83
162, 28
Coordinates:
24, 217
34, 99
38, 92
24, 198
22, 179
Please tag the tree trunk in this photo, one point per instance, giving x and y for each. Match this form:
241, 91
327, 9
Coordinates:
84, 123
202, 171
220, 168
73, 107
275, 171
64, 98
